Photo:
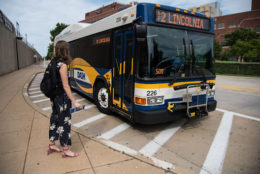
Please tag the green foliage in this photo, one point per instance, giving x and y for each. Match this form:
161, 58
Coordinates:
244, 34
247, 50
245, 45
54, 32
50, 51
226, 55
217, 50
237, 68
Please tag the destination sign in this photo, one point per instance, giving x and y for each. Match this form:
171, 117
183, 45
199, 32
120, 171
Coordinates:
170, 17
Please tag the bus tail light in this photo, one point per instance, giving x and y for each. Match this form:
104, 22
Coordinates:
140, 101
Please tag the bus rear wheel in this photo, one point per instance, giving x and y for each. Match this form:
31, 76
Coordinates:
102, 98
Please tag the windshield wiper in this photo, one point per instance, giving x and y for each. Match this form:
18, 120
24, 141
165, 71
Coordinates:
194, 64
182, 65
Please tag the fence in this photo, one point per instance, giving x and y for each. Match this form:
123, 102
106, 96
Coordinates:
9, 25
14, 52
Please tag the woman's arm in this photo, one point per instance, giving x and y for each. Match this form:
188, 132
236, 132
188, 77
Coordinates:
65, 84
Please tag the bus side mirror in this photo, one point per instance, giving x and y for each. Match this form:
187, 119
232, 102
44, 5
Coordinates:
140, 31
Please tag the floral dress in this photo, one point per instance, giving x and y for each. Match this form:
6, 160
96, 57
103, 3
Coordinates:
60, 121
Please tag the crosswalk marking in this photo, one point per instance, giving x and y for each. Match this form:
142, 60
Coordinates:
217, 152
153, 146
42, 100
89, 120
113, 132
31, 89
35, 92
46, 108
240, 115
33, 96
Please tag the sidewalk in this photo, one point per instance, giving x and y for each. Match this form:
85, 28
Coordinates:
24, 139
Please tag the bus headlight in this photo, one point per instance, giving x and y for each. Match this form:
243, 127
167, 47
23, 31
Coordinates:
155, 100
211, 93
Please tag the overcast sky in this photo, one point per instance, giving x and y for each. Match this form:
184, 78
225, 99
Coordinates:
37, 17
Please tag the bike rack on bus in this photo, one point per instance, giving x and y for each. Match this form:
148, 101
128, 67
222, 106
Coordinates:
198, 93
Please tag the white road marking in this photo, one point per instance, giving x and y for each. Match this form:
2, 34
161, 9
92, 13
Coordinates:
78, 100
113, 132
240, 115
42, 100
46, 108
35, 92
153, 146
89, 120
33, 96
121, 148
217, 152
81, 99
31, 89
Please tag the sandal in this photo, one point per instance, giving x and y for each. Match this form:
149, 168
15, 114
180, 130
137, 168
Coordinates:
51, 149
64, 154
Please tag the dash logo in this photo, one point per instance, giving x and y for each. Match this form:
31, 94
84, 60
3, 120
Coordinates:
81, 75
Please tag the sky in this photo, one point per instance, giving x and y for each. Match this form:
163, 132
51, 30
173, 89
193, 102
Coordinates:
37, 17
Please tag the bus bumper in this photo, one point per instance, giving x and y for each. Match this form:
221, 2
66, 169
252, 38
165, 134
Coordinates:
163, 115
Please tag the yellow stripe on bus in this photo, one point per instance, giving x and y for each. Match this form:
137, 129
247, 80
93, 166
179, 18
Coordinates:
124, 68
166, 85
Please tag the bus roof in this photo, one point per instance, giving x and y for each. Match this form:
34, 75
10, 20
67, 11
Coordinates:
123, 17
126, 16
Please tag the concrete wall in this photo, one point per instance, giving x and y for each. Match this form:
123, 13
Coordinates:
8, 59
25, 54
9, 52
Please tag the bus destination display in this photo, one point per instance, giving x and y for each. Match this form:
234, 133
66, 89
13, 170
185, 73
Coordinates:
170, 17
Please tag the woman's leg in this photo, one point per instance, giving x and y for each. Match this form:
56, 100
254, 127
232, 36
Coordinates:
53, 135
64, 128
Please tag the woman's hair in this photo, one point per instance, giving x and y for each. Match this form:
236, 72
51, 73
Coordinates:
62, 51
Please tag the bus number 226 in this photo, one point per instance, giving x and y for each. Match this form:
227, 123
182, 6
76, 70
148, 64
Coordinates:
152, 93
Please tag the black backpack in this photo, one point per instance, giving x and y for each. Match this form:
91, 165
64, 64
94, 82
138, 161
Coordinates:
51, 85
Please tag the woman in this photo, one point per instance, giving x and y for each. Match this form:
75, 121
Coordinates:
60, 124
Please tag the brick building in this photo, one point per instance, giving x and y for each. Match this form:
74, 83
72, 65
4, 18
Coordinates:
105, 11
229, 23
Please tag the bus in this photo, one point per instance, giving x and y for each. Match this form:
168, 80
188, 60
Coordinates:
150, 63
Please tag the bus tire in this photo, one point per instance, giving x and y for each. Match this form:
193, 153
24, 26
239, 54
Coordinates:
102, 98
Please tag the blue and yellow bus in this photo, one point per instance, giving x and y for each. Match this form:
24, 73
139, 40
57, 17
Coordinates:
150, 63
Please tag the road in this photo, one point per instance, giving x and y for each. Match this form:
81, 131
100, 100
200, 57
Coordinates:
227, 141
240, 94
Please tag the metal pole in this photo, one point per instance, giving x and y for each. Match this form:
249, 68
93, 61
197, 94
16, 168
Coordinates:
18, 67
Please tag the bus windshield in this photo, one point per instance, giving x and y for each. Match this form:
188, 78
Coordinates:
174, 53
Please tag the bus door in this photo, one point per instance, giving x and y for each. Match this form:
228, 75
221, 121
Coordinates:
122, 81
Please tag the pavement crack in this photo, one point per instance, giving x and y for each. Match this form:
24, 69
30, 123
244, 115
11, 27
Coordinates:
117, 162
29, 139
86, 154
9, 101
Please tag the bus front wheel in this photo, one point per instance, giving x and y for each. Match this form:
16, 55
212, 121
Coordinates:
102, 98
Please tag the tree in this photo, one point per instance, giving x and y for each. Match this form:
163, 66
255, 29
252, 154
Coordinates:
54, 32
244, 34
217, 50
226, 55
247, 50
